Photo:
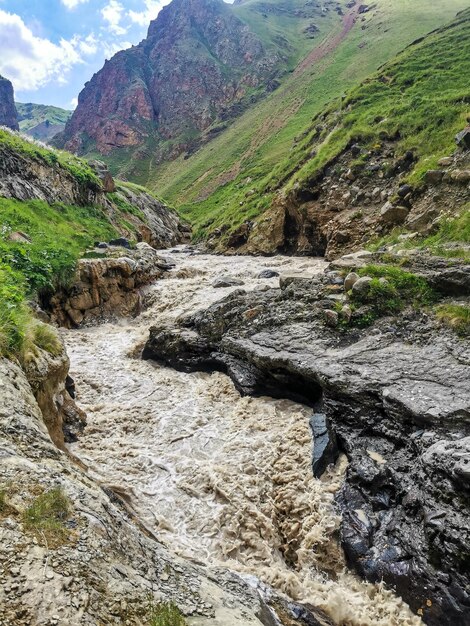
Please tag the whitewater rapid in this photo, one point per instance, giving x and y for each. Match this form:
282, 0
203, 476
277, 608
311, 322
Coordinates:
220, 479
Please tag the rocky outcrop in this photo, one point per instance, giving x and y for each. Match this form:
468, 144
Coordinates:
197, 59
8, 113
25, 177
348, 205
96, 564
106, 288
396, 397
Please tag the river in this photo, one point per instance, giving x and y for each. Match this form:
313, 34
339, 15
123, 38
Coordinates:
220, 479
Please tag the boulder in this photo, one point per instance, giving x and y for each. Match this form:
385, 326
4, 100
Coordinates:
391, 214
362, 286
434, 177
227, 281
331, 318
103, 173
350, 280
268, 274
463, 138
121, 242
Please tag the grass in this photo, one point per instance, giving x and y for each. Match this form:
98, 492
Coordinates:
165, 614
455, 316
78, 168
30, 115
390, 291
45, 518
52, 238
268, 148
422, 98
46, 338
451, 239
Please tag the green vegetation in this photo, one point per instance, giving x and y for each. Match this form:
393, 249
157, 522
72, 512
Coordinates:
451, 240
456, 316
236, 175
390, 291
421, 99
165, 614
57, 236
41, 121
46, 338
41, 243
46, 517
79, 168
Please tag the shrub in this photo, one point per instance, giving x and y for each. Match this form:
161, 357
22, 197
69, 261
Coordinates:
46, 338
165, 614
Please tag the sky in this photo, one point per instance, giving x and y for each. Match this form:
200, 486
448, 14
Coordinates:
50, 48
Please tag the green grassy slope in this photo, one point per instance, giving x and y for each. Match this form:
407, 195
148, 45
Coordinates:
227, 181
40, 243
422, 97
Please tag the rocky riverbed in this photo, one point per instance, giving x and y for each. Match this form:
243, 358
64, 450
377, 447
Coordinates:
221, 479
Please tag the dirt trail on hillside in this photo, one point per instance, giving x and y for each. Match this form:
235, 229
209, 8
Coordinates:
330, 43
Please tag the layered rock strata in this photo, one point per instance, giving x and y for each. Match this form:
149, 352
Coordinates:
396, 397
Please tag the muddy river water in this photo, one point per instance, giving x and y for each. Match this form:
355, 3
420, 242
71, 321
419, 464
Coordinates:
220, 479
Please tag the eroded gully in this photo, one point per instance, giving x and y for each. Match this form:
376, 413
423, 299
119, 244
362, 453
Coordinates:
219, 478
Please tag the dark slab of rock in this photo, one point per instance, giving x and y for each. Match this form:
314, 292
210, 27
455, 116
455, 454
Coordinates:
268, 274
325, 448
396, 395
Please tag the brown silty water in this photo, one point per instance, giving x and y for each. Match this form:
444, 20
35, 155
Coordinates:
219, 478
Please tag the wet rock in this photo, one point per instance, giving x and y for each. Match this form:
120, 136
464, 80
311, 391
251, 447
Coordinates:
268, 274
393, 393
121, 242
102, 245
325, 448
227, 281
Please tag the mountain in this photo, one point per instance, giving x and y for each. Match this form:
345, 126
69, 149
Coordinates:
41, 121
8, 113
197, 60
202, 64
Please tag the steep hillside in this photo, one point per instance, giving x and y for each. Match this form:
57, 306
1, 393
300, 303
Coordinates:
225, 182
384, 157
53, 208
41, 121
8, 113
202, 64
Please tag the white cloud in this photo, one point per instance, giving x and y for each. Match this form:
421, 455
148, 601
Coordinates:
74, 103
89, 45
113, 13
71, 4
152, 7
31, 62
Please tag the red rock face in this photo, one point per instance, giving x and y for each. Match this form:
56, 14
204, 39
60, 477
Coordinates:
8, 113
197, 58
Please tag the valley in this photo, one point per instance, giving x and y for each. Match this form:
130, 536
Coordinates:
235, 314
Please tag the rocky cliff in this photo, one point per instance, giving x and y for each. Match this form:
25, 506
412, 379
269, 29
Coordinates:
27, 173
196, 60
8, 113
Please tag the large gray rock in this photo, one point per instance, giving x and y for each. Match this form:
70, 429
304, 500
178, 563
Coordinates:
392, 393
391, 214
